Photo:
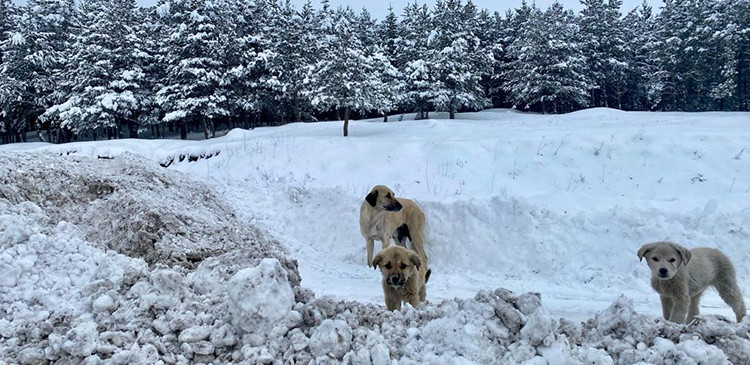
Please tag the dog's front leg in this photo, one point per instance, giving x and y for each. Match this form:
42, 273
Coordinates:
679, 308
666, 306
414, 300
392, 304
370, 246
386, 240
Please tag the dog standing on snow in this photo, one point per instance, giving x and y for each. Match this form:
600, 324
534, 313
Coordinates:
404, 276
382, 216
680, 276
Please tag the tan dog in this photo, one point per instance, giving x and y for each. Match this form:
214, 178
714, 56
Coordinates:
382, 216
404, 276
680, 276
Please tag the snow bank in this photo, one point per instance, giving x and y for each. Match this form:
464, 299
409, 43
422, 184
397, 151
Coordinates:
75, 294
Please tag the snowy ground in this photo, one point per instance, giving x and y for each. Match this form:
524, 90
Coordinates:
552, 204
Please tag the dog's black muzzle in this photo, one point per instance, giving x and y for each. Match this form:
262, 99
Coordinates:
395, 207
395, 280
663, 273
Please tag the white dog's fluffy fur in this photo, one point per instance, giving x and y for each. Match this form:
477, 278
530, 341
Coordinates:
680, 276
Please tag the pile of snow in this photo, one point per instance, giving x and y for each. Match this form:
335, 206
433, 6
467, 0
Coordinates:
131, 205
122, 260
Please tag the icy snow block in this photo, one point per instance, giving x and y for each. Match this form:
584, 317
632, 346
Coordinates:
260, 297
81, 340
331, 337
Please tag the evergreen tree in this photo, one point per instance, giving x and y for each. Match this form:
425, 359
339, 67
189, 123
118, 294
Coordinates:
34, 55
388, 38
460, 62
416, 60
604, 47
103, 78
742, 19
195, 64
348, 77
642, 77
547, 72
291, 56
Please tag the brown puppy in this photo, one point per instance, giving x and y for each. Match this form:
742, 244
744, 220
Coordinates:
382, 216
404, 276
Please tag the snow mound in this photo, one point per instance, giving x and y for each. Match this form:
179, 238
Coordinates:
131, 205
79, 284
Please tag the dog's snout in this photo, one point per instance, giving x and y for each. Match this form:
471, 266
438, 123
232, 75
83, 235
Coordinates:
394, 280
394, 207
663, 272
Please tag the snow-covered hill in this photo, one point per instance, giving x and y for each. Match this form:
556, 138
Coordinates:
552, 204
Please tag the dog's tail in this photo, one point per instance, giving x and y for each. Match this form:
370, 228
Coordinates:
427, 275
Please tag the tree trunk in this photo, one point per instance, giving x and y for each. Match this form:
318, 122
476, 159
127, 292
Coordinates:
452, 114
40, 135
205, 129
346, 121
183, 129
133, 129
297, 111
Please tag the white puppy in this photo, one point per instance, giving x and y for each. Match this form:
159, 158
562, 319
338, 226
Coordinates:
680, 276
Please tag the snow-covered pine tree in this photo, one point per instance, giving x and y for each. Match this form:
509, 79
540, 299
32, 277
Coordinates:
34, 55
388, 37
248, 52
416, 59
489, 30
604, 48
742, 16
520, 72
639, 28
720, 58
103, 77
291, 54
460, 62
7, 19
547, 71
564, 85
195, 64
347, 76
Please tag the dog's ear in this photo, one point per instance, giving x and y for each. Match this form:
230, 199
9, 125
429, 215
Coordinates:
414, 258
372, 198
376, 261
643, 250
685, 254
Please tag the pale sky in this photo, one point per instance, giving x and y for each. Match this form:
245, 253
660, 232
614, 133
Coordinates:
380, 8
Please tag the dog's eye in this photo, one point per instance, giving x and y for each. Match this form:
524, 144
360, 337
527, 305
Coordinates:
403, 266
388, 266
656, 259
672, 260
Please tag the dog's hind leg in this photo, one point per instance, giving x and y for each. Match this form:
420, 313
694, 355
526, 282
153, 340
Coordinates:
695, 307
417, 244
731, 294
370, 247
666, 306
